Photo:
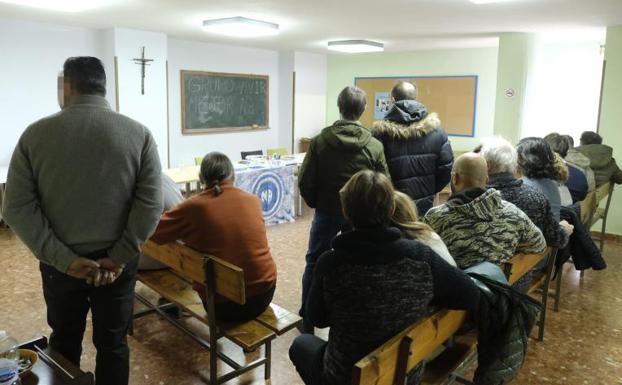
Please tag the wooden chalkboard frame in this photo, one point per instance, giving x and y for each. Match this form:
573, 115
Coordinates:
200, 131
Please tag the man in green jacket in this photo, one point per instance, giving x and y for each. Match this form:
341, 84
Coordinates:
337, 153
601, 159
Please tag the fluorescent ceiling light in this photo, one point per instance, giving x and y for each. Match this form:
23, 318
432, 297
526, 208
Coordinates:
241, 27
490, 1
355, 46
58, 5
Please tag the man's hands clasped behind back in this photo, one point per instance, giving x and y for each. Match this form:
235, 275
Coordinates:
97, 273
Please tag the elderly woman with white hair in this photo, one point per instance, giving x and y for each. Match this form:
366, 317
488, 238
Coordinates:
502, 160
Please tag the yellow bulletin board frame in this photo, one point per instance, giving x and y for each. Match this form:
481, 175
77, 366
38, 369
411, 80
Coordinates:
454, 98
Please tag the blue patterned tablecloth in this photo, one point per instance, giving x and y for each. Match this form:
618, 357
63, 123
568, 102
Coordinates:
275, 187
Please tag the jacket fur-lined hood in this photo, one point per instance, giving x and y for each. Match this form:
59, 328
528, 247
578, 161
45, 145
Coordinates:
414, 130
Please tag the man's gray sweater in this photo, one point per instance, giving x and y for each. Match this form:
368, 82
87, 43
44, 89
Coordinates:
83, 180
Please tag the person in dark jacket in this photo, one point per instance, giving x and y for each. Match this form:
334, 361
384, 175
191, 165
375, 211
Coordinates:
334, 155
581, 247
601, 158
505, 318
501, 158
577, 180
418, 152
374, 284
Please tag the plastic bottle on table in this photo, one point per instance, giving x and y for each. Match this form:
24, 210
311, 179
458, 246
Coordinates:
9, 360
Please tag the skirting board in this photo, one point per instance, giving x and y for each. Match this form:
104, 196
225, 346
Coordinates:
608, 237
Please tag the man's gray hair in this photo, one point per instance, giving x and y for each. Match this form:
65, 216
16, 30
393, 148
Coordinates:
500, 155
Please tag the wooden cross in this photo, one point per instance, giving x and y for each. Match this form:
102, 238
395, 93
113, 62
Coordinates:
142, 62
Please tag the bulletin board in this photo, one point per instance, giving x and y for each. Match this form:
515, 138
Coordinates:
453, 98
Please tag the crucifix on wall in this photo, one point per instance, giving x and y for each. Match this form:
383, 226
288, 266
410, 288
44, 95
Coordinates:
143, 63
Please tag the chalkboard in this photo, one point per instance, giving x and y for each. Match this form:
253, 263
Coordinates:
220, 102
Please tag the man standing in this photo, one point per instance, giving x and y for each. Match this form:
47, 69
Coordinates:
417, 150
83, 193
337, 153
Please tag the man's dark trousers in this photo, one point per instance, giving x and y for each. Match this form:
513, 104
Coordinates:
68, 301
324, 228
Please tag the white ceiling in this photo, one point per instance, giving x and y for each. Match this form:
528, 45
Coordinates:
309, 24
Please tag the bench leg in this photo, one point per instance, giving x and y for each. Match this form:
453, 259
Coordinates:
602, 234
541, 324
545, 300
130, 329
558, 287
213, 357
268, 364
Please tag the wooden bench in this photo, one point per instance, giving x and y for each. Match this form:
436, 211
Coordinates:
219, 277
521, 264
601, 213
390, 363
591, 213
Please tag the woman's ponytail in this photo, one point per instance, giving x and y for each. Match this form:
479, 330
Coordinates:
217, 189
216, 168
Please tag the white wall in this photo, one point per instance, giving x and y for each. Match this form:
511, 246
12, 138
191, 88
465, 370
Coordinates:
343, 68
31, 56
190, 55
150, 108
30, 65
287, 68
563, 88
310, 99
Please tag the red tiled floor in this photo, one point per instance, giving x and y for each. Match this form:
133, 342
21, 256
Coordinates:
582, 345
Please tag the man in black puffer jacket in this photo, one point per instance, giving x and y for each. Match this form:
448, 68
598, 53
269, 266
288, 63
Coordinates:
417, 150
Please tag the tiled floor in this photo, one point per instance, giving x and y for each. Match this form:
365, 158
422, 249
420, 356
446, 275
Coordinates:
583, 342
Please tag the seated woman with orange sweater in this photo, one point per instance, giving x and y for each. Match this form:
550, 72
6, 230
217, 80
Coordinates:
225, 222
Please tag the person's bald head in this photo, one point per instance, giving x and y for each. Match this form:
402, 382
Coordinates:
404, 91
470, 170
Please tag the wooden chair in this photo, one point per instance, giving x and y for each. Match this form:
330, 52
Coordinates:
245, 154
281, 151
219, 277
521, 264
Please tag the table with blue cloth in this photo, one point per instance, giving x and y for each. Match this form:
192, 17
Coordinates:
275, 188
274, 183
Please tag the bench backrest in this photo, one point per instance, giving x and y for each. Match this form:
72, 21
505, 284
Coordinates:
592, 201
388, 364
588, 206
226, 278
380, 367
521, 264
603, 191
